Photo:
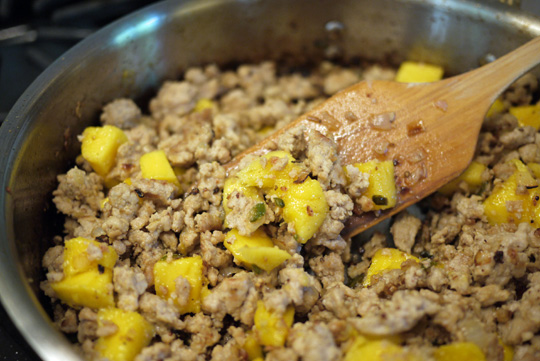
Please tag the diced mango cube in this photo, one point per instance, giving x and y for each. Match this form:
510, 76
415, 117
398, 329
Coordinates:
132, 335
382, 185
77, 260
272, 329
377, 350
414, 72
508, 205
204, 103
252, 347
266, 258
496, 108
386, 259
508, 351
261, 173
166, 273
472, 176
99, 147
266, 131
92, 289
462, 351
305, 207
527, 115
535, 169
155, 165
256, 249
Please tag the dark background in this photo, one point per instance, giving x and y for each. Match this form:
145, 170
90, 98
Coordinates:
33, 33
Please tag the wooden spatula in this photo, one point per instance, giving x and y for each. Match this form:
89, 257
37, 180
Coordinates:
429, 130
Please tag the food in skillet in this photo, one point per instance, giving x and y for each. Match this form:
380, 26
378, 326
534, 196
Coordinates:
167, 257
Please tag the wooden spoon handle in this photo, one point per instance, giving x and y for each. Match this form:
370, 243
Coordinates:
493, 78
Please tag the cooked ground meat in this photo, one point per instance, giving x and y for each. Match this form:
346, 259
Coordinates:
465, 277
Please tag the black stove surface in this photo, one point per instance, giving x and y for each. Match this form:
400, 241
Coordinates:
33, 33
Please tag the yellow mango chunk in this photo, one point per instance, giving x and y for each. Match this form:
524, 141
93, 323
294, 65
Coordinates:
87, 289
76, 259
256, 249
166, 273
266, 131
305, 206
377, 350
133, 334
266, 258
508, 205
386, 259
472, 176
462, 351
203, 104
535, 169
496, 108
259, 173
155, 165
508, 351
271, 328
527, 115
382, 185
252, 347
414, 72
99, 147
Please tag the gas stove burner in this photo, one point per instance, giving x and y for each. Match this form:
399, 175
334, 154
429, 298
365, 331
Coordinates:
35, 33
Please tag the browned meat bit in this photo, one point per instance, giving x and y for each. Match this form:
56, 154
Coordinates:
313, 341
235, 296
79, 194
129, 284
404, 230
122, 113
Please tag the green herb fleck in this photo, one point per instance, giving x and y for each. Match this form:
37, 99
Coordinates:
256, 269
380, 200
279, 202
355, 281
257, 212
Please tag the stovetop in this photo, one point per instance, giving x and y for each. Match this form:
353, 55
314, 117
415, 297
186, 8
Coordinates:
33, 33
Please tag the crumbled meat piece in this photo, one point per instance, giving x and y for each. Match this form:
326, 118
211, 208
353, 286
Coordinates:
211, 254
329, 269
323, 161
156, 309
79, 194
122, 113
235, 296
302, 288
404, 230
314, 342
129, 284
338, 80
518, 137
399, 314
176, 98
